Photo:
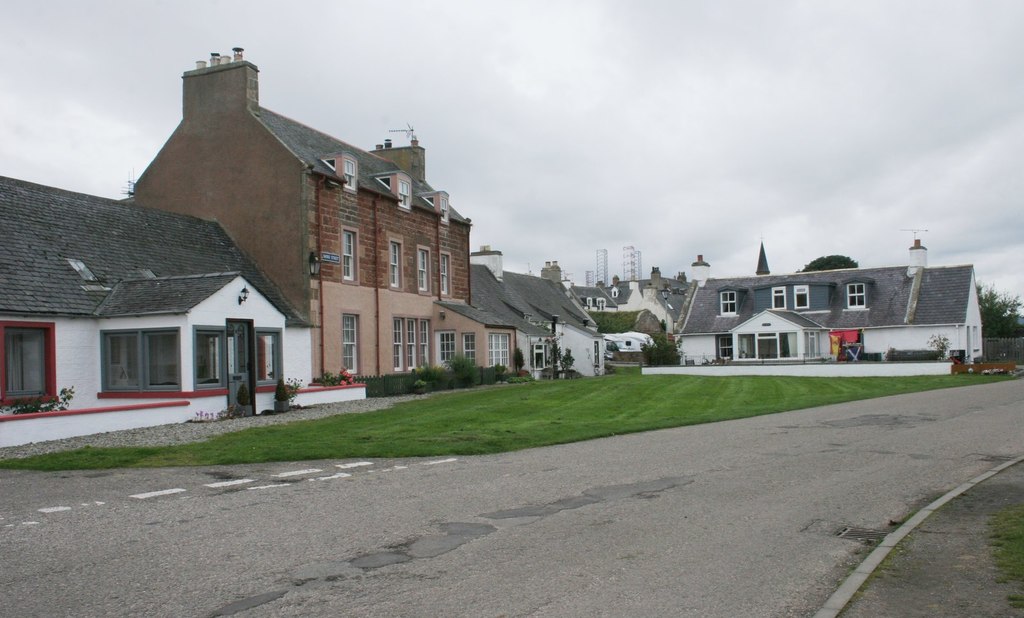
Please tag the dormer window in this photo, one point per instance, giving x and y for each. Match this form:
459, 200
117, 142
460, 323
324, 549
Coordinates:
615, 292
444, 208
350, 171
590, 303
727, 301
779, 298
856, 296
801, 297
601, 304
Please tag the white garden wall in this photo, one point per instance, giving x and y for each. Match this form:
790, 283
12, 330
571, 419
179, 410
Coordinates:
822, 370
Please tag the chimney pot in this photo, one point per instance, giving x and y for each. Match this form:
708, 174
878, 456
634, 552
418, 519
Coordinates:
200, 64
380, 146
387, 143
238, 52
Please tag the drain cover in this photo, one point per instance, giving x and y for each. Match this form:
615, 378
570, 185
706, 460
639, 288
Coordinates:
864, 535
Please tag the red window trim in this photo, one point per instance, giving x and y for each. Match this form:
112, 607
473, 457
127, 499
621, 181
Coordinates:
49, 363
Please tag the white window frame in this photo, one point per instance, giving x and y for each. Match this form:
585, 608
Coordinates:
404, 193
469, 346
497, 349
425, 341
726, 300
350, 172
395, 264
350, 341
444, 209
423, 269
856, 296
804, 292
602, 304
445, 346
445, 276
397, 331
779, 298
410, 344
348, 255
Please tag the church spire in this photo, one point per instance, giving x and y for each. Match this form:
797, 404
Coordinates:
762, 262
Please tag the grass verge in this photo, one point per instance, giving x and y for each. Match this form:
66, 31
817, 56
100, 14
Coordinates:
507, 418
1008, 543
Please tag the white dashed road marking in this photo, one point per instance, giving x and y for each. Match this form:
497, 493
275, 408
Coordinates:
229, 483
297, 473
354, 464
153, 494
441, 461
340, 475
55, 509
270, 486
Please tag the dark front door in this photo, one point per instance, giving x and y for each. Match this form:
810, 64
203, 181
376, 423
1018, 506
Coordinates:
241, 368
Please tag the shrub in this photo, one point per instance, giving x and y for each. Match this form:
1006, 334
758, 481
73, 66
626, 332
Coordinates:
281, 392
567, 361
433, 374
293, 386
520, 379
464, 370
31, 405
242, 395
331, 379
662, 352
517, 360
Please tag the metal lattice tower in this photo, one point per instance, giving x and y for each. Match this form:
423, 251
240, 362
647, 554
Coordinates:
591, 282
601, 273
631, 267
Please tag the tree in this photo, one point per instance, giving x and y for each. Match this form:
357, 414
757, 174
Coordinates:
1000, 312
830, 262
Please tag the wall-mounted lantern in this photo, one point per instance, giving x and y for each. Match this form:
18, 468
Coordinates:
243, 295
314, 264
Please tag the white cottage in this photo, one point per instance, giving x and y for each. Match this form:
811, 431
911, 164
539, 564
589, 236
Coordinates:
846, 314
148, 317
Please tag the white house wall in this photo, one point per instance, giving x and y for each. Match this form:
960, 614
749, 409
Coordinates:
581, 342
699, 347
298, 354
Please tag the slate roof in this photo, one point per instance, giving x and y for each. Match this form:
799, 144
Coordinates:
311, 147
161, 295
43, 227
584, 291
518, 295
942, 298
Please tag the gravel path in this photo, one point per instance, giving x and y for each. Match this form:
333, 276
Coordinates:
182, 433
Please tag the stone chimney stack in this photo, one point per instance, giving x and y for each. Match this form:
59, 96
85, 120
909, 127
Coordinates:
918, 256
227, 85
656, 278
701, 271
412, 158
552, 272
491, 259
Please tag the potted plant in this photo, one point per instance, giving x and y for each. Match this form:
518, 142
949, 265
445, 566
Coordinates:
282, 401
419, 387
242, 397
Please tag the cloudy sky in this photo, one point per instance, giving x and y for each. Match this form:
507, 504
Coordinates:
561, 128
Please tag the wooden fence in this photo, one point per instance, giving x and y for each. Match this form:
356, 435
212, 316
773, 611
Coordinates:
1002, 350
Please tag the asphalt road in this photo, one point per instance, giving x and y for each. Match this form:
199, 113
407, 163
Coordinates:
731, 519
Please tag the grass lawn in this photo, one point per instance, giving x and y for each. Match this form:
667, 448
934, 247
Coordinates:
1008, 541
507, 418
